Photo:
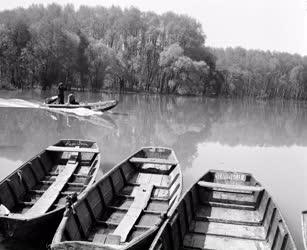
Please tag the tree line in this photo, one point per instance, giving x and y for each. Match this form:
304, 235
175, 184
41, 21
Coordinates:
95, 48
262, 74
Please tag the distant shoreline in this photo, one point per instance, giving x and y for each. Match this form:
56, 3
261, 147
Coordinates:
129, 92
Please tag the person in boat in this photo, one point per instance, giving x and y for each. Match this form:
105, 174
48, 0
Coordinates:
61, 89
72, 99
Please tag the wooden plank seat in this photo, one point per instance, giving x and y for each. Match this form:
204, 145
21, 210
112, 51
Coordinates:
129, 197
200, 241
126, 209
81, 175
26, 203
51, 194
75, 184
53, 173
231, 215
140, 202
228, 230
46, 182
152, 161
68, 192
72, 149
231, 187
37, 191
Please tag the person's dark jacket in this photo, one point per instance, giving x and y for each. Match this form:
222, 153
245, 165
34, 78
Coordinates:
61, 90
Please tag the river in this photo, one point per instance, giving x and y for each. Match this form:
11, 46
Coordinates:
265, 138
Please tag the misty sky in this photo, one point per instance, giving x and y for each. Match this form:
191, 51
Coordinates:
279, 25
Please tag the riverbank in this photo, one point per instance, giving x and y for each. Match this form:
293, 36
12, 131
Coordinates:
40, 93
7, 86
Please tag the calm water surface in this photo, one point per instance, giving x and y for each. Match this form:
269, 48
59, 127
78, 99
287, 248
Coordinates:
268, 139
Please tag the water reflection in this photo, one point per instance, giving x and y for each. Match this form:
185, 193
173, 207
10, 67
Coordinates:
268, 139
66, 119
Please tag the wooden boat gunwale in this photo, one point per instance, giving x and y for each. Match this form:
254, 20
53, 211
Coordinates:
93, 170
174, 213
56, 242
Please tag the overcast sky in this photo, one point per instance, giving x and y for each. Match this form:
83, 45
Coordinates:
258, 24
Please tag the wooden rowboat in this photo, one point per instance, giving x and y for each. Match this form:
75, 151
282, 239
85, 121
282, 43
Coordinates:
225, 210
96, 106
33, 197
126, 207
304, 228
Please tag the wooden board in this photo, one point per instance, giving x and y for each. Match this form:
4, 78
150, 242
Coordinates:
72, 149
228, 215
51, 194
153, 161
198, 241
228, 230
232, 187
140, 202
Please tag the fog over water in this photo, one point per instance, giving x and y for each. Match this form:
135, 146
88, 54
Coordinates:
265, 138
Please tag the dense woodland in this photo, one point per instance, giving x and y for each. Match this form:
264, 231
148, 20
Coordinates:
95, 48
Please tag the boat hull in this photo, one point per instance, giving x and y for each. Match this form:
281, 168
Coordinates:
96, 106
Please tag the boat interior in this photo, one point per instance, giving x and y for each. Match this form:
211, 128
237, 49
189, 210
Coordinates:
225, 210
43, 183
128, 202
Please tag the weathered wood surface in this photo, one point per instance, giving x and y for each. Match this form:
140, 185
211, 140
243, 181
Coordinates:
72, 149
141, 199
231, 187
51, 194
153, 161
195, 241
